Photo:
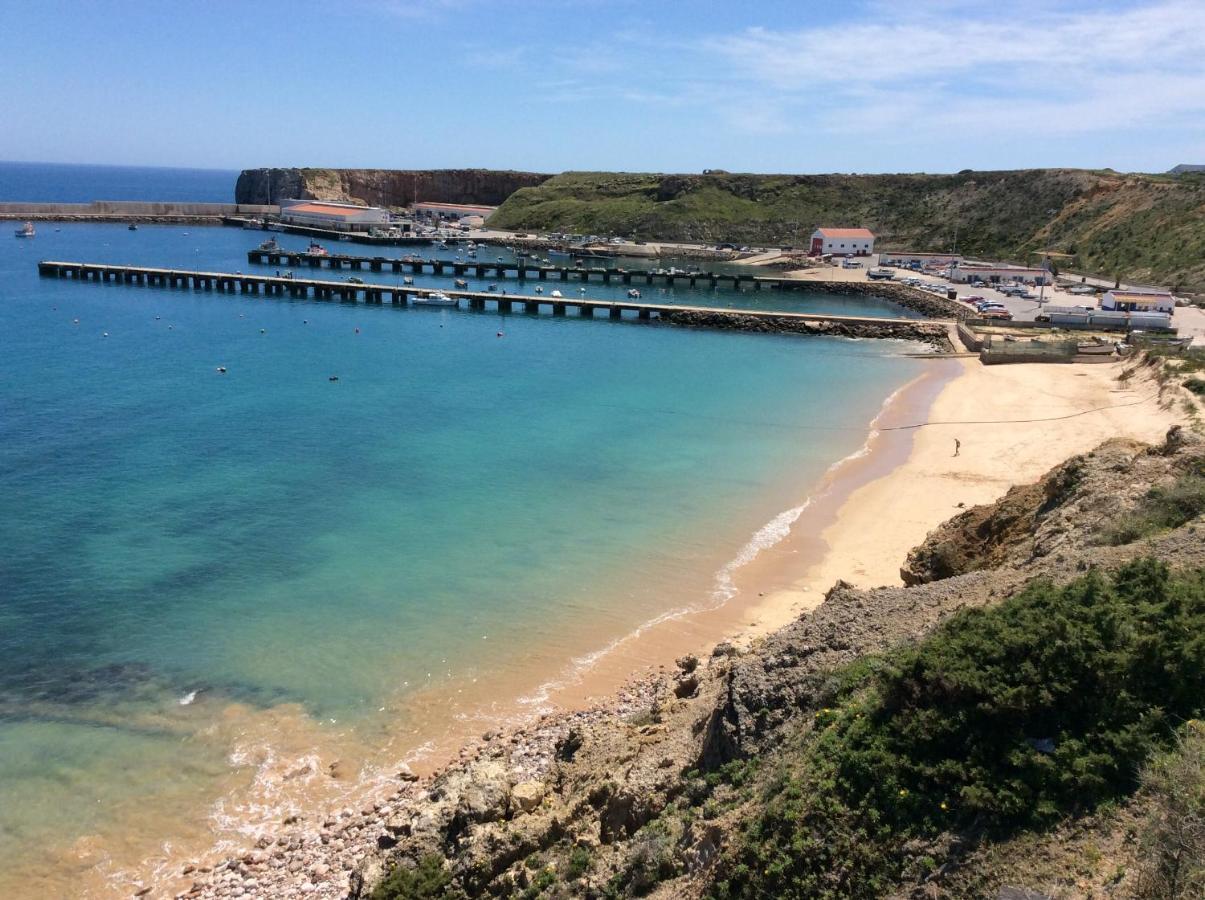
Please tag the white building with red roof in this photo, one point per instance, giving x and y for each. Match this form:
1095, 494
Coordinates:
336, 216
842, 242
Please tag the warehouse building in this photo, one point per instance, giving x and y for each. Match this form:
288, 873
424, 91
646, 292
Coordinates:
451, 212
335, 216
842, 242
1138, 301
996, 274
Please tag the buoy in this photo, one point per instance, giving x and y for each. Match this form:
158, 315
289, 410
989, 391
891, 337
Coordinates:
106, 334
357, 331
499, 334
75, 321
222, 370
157, 318
170, 327
305, 321
263, 331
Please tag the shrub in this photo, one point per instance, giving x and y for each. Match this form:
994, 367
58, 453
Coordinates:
1172, 842
429, 880
1005, 718
1161, 509
1196, 385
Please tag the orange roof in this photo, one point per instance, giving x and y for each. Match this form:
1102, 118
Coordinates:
326, 209
846, 232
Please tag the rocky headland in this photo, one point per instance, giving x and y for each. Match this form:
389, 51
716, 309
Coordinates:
392, 188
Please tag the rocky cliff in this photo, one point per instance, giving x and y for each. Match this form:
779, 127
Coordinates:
383, 187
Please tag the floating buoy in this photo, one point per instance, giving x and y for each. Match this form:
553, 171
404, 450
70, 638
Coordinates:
263, 331
157, 318
170, 327
357, 331
75, 321
305, 321
221, 370
500, 334
106, 334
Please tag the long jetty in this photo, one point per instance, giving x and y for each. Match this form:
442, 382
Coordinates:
520, 269
405, 295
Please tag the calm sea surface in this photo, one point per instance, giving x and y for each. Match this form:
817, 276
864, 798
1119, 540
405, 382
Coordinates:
205, 573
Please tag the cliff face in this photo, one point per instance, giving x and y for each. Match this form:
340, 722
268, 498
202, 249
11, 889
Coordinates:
383, 187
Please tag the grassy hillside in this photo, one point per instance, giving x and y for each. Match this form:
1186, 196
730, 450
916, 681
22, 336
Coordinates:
1141, 227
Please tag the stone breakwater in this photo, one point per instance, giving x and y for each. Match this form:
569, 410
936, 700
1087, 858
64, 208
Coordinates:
926, 304
383, 187
935, 334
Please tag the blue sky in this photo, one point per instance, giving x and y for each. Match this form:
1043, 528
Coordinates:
855, 86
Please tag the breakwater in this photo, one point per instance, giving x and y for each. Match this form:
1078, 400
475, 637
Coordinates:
405, 295
133, 211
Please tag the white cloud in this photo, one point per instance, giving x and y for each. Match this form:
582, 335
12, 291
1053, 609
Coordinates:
954, 64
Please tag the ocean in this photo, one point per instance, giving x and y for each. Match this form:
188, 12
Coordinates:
218, 586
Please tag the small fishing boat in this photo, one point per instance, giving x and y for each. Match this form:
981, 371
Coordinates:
539, 290
316, 249
25, 230
559, 254
634, 294
555, 294
354, 279
436, 298
270, 245
345, 237
132, 227
460, 283
408, 280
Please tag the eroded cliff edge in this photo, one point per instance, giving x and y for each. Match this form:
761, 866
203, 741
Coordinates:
383, 187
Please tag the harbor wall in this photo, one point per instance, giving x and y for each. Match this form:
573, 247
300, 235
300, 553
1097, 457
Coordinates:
132, 210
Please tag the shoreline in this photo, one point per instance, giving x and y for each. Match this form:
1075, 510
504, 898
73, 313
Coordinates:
629, 670
852, 525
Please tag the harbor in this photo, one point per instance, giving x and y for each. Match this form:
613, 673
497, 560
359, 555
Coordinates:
403, 295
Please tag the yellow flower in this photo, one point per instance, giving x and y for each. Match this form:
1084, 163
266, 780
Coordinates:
903, 792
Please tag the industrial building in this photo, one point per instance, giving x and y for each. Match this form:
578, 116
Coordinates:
842, 242
1138, 301
994, 274
453, 212
335, 216
909, 258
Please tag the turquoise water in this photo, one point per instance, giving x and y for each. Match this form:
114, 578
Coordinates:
457, 506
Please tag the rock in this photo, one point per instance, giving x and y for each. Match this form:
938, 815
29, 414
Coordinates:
527, 795
688, 663
723, 649
568, 746
485, 798
687, 686
405, 773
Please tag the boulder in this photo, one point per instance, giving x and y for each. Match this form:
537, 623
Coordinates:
527, 795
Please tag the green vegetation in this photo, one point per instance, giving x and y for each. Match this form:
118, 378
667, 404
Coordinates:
1006, 718
429, 880
1137, 227
1163, 508
1196, 385
1173, 840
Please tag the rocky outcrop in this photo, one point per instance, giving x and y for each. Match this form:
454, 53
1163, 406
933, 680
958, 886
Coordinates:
931, 333
383, 187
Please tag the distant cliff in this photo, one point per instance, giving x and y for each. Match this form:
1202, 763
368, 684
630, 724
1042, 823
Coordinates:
382, 187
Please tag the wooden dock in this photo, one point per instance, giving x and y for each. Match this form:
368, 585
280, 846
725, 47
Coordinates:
521, 270
404, 295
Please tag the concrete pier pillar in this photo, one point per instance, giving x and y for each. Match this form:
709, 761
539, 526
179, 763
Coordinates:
643, 313
531, 306
616, 312
558, 309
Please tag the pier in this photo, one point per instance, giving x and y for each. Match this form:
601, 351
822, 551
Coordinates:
405, 295
521, 270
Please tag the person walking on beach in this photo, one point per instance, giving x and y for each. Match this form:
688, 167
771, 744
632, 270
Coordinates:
957, 446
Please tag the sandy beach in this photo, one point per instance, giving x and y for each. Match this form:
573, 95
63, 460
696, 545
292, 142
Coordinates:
1012, 423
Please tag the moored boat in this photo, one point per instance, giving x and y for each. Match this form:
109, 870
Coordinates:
316, 249
25, 230
270, 245
436, 298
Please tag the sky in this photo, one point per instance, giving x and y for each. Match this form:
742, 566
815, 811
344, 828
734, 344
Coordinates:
554, 85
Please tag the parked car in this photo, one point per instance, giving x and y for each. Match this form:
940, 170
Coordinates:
1002, 315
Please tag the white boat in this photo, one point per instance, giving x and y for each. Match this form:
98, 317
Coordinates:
436, 298
316, 249
270, 245
345, 237
559, 254
461, 283
408, 280
25, 230
555, 294
633, 293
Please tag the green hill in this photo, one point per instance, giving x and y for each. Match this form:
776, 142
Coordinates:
1139, 227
